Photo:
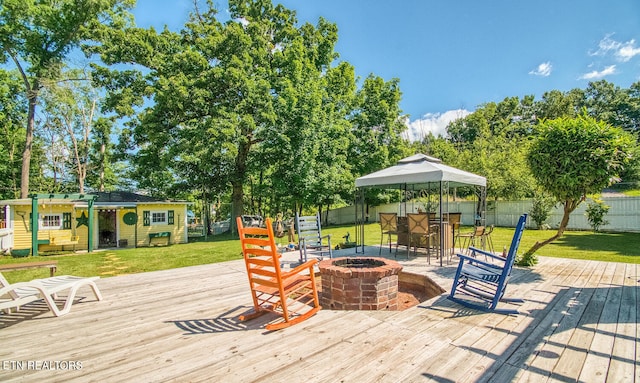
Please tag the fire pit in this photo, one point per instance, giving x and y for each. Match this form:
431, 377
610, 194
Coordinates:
359, 283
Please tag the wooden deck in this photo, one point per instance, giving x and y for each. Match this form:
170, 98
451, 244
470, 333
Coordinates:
579, 323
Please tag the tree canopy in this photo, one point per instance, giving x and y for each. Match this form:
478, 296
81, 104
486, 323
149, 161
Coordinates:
37, 37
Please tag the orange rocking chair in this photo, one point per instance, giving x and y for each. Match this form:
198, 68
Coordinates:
293, 294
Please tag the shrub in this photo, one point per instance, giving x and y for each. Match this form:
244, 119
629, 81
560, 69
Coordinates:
595, 213
541, 208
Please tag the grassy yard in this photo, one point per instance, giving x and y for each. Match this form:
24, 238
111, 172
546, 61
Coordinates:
613, 247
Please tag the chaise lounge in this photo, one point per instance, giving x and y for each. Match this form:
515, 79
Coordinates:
12, 296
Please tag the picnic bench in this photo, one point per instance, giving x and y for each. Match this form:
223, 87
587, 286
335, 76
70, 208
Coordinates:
52, 265
163, 234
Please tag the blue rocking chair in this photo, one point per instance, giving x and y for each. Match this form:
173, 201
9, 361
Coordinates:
480, 284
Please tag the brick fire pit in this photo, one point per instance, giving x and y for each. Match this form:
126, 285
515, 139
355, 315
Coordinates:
359, 283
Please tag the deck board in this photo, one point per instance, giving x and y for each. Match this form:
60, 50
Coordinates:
181, 325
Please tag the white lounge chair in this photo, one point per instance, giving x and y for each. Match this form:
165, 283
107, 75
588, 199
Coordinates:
14, 295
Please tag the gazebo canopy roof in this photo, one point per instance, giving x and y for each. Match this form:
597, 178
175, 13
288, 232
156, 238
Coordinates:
417, 172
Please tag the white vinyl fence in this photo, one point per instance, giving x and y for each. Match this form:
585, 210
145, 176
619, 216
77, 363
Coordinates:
623, 215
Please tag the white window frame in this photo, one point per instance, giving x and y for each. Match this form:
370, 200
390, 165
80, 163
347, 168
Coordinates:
41, 220
153, 222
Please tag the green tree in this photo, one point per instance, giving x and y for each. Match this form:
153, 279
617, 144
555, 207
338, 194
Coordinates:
573, 157
608, 102
37, 36
378, 125
71, 110
556, 104
244, 104
12, 114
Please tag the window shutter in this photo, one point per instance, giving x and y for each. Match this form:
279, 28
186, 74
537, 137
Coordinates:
146, 220
170, 217
66, 221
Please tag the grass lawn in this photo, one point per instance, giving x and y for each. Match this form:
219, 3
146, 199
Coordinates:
612, 247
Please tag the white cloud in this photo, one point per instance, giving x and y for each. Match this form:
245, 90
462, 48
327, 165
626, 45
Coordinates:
627, 51
611, 69
435, 123
543, 69
623, 51
605, 46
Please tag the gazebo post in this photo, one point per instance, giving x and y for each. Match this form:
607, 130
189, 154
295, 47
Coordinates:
359, 203
441, 226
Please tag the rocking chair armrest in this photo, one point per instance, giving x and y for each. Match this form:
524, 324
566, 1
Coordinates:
479, 262
486, 253
327, 236
296, 270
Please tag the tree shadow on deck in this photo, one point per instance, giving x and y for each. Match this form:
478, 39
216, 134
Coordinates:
587, 313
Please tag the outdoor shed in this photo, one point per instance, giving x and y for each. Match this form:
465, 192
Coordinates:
118, 219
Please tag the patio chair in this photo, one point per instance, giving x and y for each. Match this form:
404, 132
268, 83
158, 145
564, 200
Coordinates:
14, 295
471, 238
454, 223
481, 285
310, 238
388, 227
293, 294
420, 232
486, 241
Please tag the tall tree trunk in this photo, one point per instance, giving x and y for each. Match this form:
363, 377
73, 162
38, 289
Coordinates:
237, 207
103, 149
26, 154
237, 194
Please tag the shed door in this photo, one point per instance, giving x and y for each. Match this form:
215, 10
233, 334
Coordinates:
107, 228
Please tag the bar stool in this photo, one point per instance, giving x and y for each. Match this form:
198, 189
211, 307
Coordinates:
420, 228
471, 238
486, 242
388, 227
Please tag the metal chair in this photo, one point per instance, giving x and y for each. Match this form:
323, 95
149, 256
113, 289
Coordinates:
419, 230
388, 227
485, 241
470, 239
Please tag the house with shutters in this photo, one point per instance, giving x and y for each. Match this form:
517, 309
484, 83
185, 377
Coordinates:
118, 219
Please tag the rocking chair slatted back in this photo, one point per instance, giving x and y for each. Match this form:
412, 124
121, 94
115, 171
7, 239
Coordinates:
292, 294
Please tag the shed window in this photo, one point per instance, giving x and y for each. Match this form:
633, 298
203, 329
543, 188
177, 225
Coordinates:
50, 221
158, 217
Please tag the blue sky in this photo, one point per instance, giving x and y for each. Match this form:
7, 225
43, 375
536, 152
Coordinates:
452, 56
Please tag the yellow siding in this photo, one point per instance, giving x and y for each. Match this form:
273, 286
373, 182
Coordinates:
177, 230
136, 235
127, 232
22, 229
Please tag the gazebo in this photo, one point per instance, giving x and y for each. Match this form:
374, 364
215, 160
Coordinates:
416, 173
